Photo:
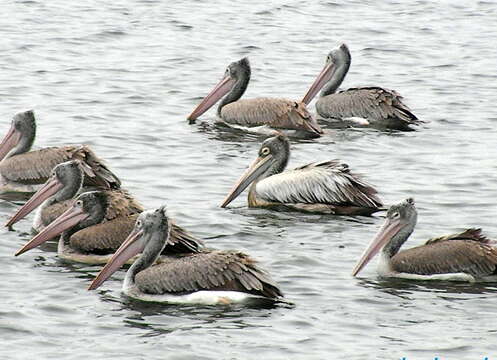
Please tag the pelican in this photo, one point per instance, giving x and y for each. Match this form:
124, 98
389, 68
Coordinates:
56, 195
466, 256
275, 113
323, 187
22, 171
373, 105
207, 277
93, 234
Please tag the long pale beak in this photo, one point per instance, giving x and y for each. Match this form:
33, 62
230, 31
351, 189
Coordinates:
9, 141
129, 248
384, 235
221, 89
50, 188
256, 169
67, 220
324, 76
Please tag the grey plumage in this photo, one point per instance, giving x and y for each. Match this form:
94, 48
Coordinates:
467, 252
381, 107
377, 105
372, 103
208, 270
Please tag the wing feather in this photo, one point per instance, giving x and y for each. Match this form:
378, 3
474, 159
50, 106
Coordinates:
329, 182
121, 203
208, 270
36, 166
277, 113
372, 103
448, 256
107, 236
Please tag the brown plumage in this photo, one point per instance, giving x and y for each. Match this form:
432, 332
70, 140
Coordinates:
35, 167
466, 252
51, 212
208, 270
107, 236
276, 113
121, 204
273, 112
92, 231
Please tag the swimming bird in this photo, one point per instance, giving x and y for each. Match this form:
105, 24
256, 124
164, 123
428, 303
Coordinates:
23, 171
375, 106
273, 112
466, 256
323, 187
207, 277
94, 228
58, 192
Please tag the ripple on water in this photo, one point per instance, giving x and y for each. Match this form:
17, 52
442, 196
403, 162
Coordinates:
124, 77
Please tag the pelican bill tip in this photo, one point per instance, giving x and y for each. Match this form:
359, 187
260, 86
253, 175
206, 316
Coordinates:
91, 287
20, 252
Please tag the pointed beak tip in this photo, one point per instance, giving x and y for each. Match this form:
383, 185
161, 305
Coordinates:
90, 287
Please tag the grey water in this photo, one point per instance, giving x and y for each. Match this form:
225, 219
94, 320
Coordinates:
122, 76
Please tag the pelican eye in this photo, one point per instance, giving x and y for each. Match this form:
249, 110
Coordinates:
138, 223
79, 203
265, 151
395, 215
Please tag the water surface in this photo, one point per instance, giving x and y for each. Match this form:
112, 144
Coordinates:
122, 76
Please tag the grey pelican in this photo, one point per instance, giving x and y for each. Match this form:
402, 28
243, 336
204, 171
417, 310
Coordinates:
94, 228
466, 256
23, 171
323, 187
373, 105
272, 112
207, 277
56, 195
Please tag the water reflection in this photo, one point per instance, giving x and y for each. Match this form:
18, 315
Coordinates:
401, 287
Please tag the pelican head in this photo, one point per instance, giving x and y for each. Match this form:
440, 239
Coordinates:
88, 209
148, 237
64, 183
273, 158
335, 68
20, 136
399, 224
234, 82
